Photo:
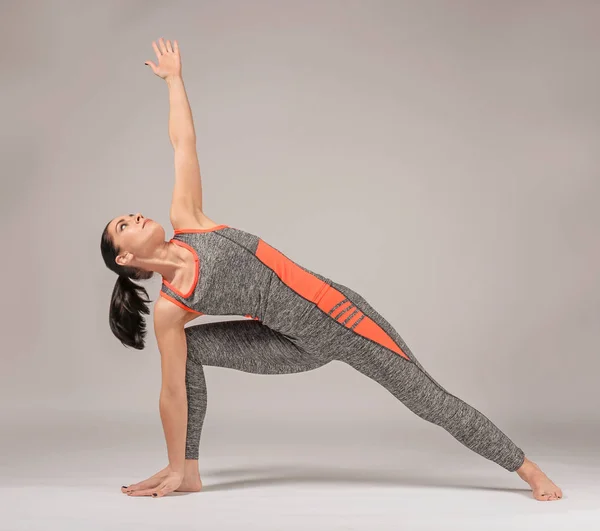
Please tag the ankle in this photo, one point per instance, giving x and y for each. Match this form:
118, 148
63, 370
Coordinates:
527, 468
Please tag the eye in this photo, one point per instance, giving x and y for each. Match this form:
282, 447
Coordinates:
122, 225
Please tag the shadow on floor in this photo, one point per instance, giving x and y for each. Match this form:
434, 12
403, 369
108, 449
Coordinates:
275, 475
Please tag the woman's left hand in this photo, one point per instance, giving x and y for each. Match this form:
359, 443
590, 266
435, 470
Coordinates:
169, 484
169, 59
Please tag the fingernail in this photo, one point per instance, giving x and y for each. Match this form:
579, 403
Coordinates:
123, 486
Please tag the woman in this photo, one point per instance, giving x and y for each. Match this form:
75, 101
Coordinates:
299, 320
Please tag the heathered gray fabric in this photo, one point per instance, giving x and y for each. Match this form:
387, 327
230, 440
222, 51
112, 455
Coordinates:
295, 335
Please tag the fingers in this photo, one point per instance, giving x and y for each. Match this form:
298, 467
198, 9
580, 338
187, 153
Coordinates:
169, 484
164, 491
162, 46
156, 50
146, 484
145, 492
151, 65
151, 482
156, 492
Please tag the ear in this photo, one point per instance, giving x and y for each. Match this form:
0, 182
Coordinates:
123, 259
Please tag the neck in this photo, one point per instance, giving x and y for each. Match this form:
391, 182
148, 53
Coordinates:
168, 261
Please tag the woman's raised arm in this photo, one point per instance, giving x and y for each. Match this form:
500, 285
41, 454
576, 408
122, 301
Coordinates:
187, 192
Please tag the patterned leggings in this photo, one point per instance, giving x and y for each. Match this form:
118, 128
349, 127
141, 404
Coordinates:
251, 346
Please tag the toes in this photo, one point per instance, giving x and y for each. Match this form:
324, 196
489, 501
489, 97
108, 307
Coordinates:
543, 496
550, 496
547, 495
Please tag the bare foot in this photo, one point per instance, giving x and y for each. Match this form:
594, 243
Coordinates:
543, 488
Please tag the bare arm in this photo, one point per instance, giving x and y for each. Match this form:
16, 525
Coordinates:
187, 192
181, 123
169, 321
173, 406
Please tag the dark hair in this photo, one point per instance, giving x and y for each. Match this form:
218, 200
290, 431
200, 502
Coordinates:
126, 305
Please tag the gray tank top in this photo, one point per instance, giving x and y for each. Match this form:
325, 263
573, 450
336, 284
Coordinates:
238, 273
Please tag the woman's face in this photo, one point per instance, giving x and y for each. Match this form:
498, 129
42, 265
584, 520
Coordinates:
136, 234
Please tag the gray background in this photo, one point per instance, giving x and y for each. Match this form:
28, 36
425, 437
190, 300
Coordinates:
439, 157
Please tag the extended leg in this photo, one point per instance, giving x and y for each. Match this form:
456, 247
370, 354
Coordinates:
244, 345
409, 382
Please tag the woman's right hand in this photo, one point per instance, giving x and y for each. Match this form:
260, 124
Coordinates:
150, 483
169, 60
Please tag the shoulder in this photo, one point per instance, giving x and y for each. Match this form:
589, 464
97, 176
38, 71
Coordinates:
182, 219
167, 314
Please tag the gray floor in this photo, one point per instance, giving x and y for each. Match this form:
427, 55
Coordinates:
65, 472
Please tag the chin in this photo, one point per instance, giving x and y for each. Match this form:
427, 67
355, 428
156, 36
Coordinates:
156, 229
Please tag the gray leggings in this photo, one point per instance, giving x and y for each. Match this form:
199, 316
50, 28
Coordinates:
250, 346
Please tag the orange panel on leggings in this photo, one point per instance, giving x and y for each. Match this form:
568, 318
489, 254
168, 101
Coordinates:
324, 296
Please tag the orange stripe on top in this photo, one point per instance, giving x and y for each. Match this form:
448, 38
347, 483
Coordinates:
175, 301
323, 295
301, 281
185, 231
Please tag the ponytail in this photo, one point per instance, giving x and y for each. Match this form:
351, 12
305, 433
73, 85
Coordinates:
126, 312
127, 307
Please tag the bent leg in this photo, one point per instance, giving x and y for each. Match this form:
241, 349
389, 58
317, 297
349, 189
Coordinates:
243, 345
410, 383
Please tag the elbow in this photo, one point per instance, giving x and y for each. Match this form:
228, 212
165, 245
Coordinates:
184, 139
172, 394
171, 403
